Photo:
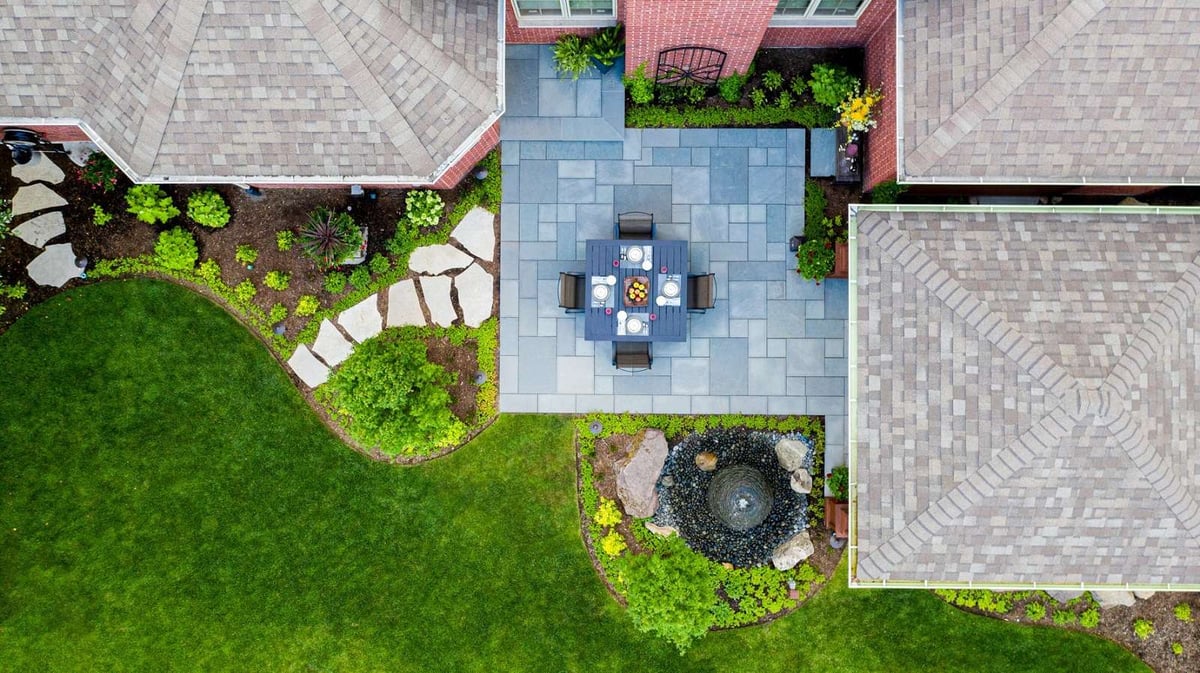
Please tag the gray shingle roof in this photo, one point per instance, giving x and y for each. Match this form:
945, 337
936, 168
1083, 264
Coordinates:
310, 89
1052, 91
1027, 403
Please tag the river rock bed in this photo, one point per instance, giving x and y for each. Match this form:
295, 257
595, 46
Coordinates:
683, 495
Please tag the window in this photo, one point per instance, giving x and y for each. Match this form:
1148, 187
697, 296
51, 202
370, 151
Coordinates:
566, 12
818, 12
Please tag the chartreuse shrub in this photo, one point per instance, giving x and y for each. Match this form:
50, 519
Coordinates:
772, 80
1064, 617
246, 254
244, 292
1035, 611
1090, 618
277, 280
1177, 648
830, 84
285, 240
278, 313
613, 544
100, 216
607, 514
150, 204
13, 290
207, 208
176, 250
1183, 612
307, 305
996, 602
639, 85
423, 208
390, 396
335, 282
210, 270
1143, 628
670, 593
379, 264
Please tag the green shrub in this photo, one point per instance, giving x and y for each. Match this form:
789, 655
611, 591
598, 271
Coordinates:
388, 394
656, 116
639, 85
245, 254
277, 280
13, 290
1090, 618
571, 56
798, 86
307, 305
785, 100
606, 45
360, 277
695, 94
772, 80
815, 203
100, 216
758, 97
888, 191
176, 249
150, 204
335, 282
1183, 612
730, 88
329, 237
831, 85
99, 172
1035, 611
278, 313
207, 208
1143, 628
671, 594
423, 208
6, 216
1177, 649
838, 480
607, 514
379, 264
1064, 617
245, 291
209, 270
285, 240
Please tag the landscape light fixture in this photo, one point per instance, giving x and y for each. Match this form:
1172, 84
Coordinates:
21, 143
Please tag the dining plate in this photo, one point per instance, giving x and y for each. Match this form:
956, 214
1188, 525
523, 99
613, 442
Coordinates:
600, 292
635, 253
670, 289
633, 325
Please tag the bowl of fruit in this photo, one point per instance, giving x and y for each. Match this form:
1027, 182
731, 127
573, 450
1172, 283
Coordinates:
637, 291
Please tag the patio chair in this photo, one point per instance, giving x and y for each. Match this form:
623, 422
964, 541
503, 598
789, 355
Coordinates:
701, 292
632, 356
571, 292
635, 225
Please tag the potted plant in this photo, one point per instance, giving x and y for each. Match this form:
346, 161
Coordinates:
571, 56
606, 46
814, 260
837, 509
835, 233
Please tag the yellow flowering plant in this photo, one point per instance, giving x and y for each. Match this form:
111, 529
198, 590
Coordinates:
855, 114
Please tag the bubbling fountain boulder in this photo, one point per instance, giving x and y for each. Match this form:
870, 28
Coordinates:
740, 497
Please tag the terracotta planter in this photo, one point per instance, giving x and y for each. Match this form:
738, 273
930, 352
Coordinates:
837, 517
841, 261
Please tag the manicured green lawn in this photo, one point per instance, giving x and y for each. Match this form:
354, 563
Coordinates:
168, 502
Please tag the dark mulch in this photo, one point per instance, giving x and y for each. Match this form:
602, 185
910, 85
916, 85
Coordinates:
462, 363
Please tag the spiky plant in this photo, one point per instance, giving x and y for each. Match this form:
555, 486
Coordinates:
329, 237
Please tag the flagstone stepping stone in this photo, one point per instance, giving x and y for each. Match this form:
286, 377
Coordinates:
477, 233
306, 365
403, 306
474, 295
437, 297
34, 198
40, 168
55, 266
362, 321
331, 345
435, 259
39, 230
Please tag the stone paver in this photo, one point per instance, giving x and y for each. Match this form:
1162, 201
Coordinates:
331, 346
310, 370
55, 266
436, 290
33, 198
476, 232
41, 229
476, 288
435, 259
824, 153
39, 169
362, 321
404, 308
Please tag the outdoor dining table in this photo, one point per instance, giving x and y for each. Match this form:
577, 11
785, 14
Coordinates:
662, 316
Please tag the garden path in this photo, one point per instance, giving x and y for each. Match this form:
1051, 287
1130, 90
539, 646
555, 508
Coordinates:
56, 265
441, 272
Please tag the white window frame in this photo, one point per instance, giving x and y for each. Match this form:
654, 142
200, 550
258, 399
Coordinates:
811, 20
565, 20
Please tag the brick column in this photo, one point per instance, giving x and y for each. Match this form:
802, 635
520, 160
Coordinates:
733, 26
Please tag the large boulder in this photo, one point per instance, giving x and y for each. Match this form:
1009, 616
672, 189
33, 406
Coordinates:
1109, 599
636, 480
664, 531
793, 551
1064, 595
791, 454
801, 482
1144, 595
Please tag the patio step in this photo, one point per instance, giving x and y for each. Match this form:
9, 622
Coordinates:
824, 153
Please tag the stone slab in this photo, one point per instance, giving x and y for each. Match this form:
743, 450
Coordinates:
41, 229
824, 153
33, 198
39, 169
55, 266
435, 259
476, 288
476, 232
331, 346
436, 290
362, 321
404, 308
306, 365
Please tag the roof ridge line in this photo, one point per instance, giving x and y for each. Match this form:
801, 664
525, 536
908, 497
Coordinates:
980, 484
974, 311
1002, 84
366, 87
144, 12
455, 75
164, 92
1131, 437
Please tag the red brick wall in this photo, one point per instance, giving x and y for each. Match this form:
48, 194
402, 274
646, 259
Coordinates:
515, 34
881, 73
874, 16
733, 26
56, 133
